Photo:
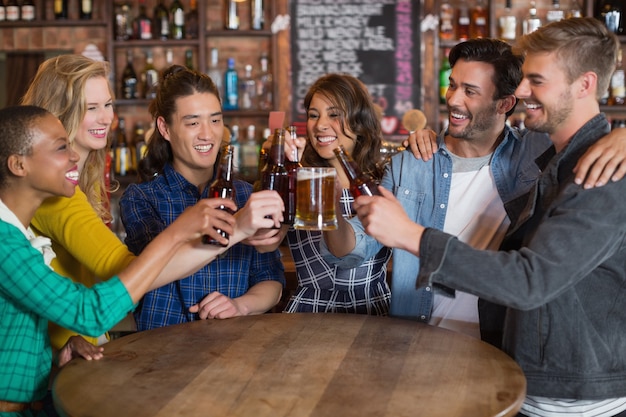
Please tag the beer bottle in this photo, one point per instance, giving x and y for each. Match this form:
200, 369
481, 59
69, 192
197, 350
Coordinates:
292, 164
275, 176
360, 183
222, 187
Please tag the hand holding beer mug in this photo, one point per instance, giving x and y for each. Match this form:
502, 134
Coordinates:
315, 206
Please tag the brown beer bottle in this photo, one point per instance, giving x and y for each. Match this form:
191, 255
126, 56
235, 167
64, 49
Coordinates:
360, 182
222, 187
292, 164
274, 176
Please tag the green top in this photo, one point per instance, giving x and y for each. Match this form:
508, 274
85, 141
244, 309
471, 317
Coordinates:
31, 294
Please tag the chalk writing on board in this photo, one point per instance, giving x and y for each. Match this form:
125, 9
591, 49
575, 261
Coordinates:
375, 41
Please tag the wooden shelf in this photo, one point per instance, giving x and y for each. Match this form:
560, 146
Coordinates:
142, 43
52, 23
239, 33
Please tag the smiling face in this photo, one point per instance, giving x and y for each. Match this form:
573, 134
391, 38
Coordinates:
545, 92
195, 134
324, 128
471, 107
93, 130
51, 165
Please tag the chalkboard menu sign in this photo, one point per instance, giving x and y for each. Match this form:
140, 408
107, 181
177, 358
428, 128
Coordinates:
377, 41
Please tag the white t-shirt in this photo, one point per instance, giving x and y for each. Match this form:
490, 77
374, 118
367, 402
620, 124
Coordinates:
477, 217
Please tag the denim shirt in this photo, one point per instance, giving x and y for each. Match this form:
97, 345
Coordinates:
423, 189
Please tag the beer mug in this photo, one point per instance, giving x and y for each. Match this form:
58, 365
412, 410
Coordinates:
315, 199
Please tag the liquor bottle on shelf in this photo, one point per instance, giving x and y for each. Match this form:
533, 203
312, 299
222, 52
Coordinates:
446, 21
122, 152
231, 87
264, 85
12, 11
236, 144
610, 12
169, 57
61, 10
274, 175
555, 13
462, 21
160, 21
360, 182
177, 20
214, 71
142, 25
129, 78
189, 59
532, 21
574, 10
3, 11
27, 10
150, 77
248, 89
191, 21
249, 154
292, 164
444, 77
123, 26
263, 155
618, 83
140, 143
257, 15
479, 27
508, 23
231, 15
222, 187
86, 9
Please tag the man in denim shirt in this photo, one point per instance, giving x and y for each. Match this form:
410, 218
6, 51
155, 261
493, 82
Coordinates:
563, 274
481, 163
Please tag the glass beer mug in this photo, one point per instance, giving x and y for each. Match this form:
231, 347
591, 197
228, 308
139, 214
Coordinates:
315, 195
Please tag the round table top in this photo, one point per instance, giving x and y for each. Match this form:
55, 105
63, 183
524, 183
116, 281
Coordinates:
294, 365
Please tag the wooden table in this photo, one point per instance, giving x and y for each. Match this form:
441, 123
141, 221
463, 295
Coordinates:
294, 365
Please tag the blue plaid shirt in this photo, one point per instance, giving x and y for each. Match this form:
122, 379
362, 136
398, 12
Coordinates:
147, 209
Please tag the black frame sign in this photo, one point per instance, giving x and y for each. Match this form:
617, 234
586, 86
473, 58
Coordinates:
377, 41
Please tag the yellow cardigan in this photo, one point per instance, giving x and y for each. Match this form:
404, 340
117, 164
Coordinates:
87, 250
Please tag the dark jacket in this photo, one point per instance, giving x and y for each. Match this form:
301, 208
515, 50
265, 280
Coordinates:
564, 286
